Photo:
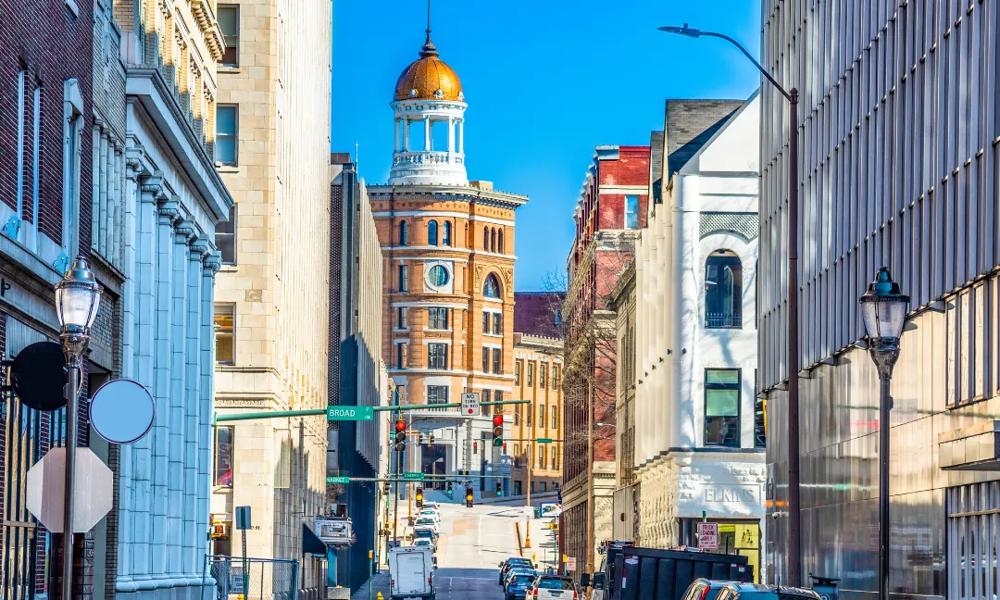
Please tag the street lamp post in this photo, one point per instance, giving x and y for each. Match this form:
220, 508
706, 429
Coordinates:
78, 296
792, 359
884, 309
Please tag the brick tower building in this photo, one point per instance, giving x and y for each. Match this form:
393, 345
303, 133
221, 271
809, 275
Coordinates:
448, 248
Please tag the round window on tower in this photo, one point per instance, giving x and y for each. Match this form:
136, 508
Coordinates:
438, 276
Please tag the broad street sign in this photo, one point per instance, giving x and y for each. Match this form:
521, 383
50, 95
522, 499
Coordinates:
349, 413
413, 476
470, 404
708, 536
338, 479
92, 490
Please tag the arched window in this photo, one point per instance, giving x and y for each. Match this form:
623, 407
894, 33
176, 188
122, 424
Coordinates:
404, 234
723, 290
486, 237
446, 234
491, 287
432, 233
500, 241
493, 240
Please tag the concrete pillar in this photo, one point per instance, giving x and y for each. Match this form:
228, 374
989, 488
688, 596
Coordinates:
451, 134
406, 134
395, 136
211, 262
461, 136
427, 134
175, 418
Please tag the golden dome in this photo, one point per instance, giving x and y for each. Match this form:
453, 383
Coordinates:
429, 78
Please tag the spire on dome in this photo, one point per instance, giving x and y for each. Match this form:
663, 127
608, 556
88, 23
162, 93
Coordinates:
429, 48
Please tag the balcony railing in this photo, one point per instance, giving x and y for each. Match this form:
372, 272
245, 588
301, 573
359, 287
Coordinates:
723, 320
427, 158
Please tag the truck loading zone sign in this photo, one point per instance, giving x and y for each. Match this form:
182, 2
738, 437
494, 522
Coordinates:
708, 536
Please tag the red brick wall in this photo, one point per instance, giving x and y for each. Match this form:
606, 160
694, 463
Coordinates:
45, 39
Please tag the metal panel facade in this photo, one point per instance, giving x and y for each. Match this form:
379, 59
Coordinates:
898, 164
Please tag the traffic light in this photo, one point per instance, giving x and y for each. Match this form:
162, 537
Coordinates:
499, 488
497, 431
419, 496
447, 486
469, 497
400, 435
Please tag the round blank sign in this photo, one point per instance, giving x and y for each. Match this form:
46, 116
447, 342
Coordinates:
122, 411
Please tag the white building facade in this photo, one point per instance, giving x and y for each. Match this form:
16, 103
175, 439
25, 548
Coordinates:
696, 452
173, 199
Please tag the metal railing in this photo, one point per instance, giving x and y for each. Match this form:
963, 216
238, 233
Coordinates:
723, 320
265, 578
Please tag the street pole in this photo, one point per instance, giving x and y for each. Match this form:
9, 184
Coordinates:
246, 568
74, 360
395, 506
792, 357
885, 405
527, 519
590, 482
794, 480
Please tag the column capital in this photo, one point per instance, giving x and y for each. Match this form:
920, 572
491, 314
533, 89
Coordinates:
170, 209
184, 230
200, 247
151, 184
212, 262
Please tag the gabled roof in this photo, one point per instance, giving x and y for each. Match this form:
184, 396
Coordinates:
689, 124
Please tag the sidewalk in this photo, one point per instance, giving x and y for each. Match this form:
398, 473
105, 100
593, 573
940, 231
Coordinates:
379, 583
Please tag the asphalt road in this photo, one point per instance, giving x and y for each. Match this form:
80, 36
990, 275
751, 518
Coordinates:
467, 584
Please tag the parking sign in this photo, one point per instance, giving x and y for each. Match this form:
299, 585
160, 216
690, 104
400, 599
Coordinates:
708, 536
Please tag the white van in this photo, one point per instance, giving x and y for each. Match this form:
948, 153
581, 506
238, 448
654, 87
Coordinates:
411, 573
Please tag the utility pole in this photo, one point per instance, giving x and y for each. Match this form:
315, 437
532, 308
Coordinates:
527, 519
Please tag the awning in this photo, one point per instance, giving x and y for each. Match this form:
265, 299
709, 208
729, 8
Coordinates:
311, 544
975, 448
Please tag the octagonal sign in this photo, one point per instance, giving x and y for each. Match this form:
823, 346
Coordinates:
92, 490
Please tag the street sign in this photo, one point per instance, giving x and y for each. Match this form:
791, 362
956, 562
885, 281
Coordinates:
470, 404
338, 479
570, 563
122, 411
708, 536
243, 517
413, 476
544, 440
334, 532
349, 413
92, 490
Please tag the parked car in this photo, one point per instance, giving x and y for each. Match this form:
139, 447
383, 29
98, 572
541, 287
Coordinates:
430, 514
517, 586
425, 532
518, 570
756, 591
704, 589
553, 587
510, 562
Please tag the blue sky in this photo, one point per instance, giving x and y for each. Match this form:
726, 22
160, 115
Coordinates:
545, 80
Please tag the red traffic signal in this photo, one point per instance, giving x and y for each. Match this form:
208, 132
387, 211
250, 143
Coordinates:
400, 440
497, 431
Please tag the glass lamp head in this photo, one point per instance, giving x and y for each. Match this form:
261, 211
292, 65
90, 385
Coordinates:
78, 297
884, 307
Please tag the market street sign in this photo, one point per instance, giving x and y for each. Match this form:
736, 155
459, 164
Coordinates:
349, 413
544, 440
338, 479
413, 476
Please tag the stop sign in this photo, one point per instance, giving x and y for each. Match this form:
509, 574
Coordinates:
92, 490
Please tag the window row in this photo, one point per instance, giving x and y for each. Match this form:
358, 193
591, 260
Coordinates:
493, 239
438, 356
543, 374
438, 318
492, 323
492, 360
438, 234
530, 413
543, 458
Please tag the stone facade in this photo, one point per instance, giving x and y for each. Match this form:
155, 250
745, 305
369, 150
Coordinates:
274, 289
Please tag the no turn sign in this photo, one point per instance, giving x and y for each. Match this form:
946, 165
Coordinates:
470, 404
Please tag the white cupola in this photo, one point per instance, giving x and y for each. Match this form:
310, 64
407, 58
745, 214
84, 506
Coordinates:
429, 113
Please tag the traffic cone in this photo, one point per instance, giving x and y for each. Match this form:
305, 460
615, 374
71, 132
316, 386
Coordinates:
378, 596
